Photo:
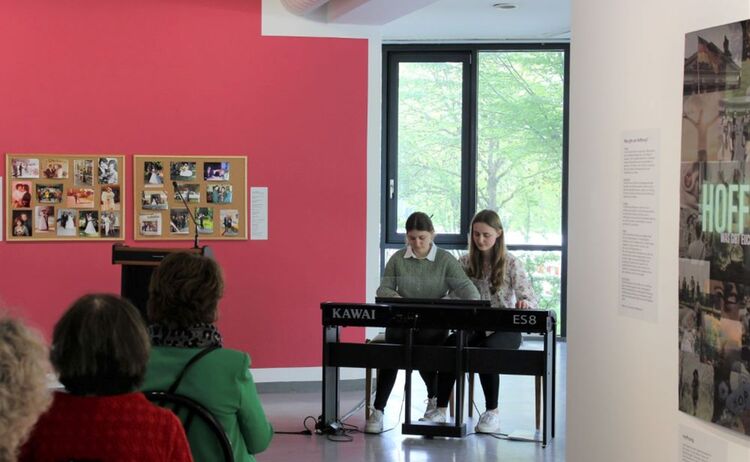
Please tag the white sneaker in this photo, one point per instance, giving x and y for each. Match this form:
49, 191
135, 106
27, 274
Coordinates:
436, 416
431, 407
375, 422
489, 422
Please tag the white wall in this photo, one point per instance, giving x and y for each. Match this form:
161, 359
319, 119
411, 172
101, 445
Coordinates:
626, 73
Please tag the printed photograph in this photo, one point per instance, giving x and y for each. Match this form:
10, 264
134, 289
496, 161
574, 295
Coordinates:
108, 171
83, 172
204, 216
110, 198
21, 223
49, 193
55, 169
694, 243
109, 224
727, 259
21, 194
154, 200
736, 397
694, 301
182, 171
702, 128
728, 299
88, 224
153, 174
713, 59
691, 178
219, 193
44, 220
67, 224
80, 198
179, 221
190, 192
230, 222
216, 171
150, 224
25, 168
696, 387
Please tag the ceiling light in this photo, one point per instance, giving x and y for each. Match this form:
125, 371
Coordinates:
504, 6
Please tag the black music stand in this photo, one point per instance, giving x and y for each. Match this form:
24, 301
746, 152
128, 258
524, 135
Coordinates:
138, 264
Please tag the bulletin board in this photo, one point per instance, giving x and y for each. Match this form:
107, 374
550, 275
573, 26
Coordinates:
214, 187
64, 197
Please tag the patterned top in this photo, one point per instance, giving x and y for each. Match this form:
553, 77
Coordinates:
115, 428
516, 284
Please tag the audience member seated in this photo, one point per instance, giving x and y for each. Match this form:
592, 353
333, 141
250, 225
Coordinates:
23, 385
100, 349
183, 307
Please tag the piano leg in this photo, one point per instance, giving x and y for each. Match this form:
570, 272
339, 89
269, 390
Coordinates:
548, 390
409, 341
330, 379
460, 377
554, 373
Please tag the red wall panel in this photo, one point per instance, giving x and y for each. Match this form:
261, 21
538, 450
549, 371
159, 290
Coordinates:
196, 77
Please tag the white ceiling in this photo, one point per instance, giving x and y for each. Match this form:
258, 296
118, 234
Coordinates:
440, 20
447, 20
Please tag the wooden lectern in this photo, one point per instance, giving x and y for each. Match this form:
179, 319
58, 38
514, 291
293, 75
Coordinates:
137, 265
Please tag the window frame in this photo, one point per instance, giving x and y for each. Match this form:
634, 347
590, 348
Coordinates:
392, 55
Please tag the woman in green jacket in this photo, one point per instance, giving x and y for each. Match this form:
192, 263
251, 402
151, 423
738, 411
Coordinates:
182, 309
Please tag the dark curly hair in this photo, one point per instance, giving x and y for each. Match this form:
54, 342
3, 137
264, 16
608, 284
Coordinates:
185, 290
100, 346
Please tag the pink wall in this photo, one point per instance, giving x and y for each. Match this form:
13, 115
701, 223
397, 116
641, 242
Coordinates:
196, 77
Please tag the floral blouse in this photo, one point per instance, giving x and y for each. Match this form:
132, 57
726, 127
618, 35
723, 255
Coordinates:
516, 284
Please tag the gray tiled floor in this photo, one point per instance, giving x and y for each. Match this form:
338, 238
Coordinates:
287, 411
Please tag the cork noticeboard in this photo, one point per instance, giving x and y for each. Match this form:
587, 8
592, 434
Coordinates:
65, 197
214, 187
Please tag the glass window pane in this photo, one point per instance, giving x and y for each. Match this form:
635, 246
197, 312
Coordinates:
545, 270
520, 142
429, 143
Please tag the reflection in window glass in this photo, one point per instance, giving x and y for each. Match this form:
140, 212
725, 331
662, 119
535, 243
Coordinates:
520, 98
429, 143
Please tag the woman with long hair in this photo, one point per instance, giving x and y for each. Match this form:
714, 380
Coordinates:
500, 278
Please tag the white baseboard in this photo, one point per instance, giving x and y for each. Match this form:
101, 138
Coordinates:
301, 374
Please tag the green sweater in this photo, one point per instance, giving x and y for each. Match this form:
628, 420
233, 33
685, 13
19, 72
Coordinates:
422, 278
222, 382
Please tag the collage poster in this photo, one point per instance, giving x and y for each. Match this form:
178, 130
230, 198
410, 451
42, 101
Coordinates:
714, 231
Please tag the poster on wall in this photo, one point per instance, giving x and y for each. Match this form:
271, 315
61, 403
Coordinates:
714, 229
61, 197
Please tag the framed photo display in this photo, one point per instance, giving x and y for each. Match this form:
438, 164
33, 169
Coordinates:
64, 197
213, 187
